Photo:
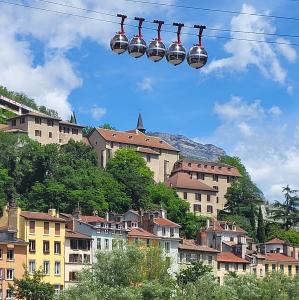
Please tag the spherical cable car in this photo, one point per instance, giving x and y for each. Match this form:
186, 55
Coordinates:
137, 45
119, 43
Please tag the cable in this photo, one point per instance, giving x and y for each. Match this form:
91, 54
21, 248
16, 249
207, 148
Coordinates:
147, 28
168, 24
213, 10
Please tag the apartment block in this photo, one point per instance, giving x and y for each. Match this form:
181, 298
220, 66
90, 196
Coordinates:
44, 129
217, 176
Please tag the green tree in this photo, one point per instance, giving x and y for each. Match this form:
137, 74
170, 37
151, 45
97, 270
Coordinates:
236, 162
107, 126
5, 184
193, 272
288, 211
32, 287
130, 169
260, 234
87, 130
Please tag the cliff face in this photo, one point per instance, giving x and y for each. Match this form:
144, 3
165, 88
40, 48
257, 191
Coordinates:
190, 148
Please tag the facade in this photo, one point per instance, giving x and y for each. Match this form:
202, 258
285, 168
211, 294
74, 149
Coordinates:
45, 129
215, 175
201, 197
278, 262
45, 234
12, 259
190, 251
159, 155
78, 255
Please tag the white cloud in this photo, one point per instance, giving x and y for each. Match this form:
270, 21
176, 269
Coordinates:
97, 112
286, 50
146, 85
52, 80
245, 53
268, 146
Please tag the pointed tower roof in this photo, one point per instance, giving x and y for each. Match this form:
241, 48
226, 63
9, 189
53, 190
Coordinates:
140, 124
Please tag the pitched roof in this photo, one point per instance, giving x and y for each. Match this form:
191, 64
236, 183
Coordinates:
225, 226
230, 257
71, 124
206, 167
76, 235
193, 246
40, 216
134, 138
275, 241
93, 219
165, 222
182, 180
35, 114
140, 232
280, 257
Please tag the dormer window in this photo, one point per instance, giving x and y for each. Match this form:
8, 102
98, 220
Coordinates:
199, 165
147, 140
114, 134
206, 166
234, 228
189, 164
130, 136
161, 142
212, 167
220, 168
228, 169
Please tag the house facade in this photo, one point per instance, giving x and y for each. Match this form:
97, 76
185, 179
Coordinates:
45, 129
13, 253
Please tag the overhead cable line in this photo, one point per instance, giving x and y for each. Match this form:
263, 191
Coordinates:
169, 24
147, 28
213, 10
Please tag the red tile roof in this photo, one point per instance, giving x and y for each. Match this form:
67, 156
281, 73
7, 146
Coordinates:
230, 257
93, 219
40, 216
182, 180
140, 232
280, 257
147, 150
275, 241
165, 222
76, 235
134, 138
193, 246
206, 167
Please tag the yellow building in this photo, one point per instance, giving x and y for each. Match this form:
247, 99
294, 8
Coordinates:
45, 234
278, 262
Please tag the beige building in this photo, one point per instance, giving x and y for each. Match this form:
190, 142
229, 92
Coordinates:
215, 175
190, 251
159, 155
78, 255
45, 129
200, 196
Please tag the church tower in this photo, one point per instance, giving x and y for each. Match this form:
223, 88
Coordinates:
140, 124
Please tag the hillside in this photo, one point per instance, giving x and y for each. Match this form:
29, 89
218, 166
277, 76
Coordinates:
190, 148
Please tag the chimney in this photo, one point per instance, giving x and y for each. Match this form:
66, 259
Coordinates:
52, 212
107, 216
202, 238
163, 213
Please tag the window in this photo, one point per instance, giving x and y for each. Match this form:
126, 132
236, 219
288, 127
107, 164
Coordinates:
218, 265
266, 268
189, 164
31, 267
1, 253
215, 177
163, 231
10, 274
22, 120
99, 244
106, 244
9, 294
226, 266
244, 267
210, 259
188, 257
196, 207
73, 276
31, 226
74, 244
111, 144
297, 269
281, 267
185, 195
1, 274
217, 200
57, 228
75, 131
10, 254
57, 247
31, 245
273, 268
46, 247
289, 269
200, 176
57, 288
148, 158
57, 268
13, 123
197, 196
38, 120
209, 198
167, 247
86, 258
50, 135
228, 179
236, 266
38, 133
171, 232
46, 267
215, 187
50, 123
75, 258
46, 227
210, 209
66, 130
148, 242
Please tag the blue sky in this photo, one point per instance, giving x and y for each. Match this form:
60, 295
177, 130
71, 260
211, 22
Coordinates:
245, 100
